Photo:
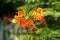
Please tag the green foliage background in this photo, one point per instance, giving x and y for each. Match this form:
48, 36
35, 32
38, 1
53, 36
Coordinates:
52, 18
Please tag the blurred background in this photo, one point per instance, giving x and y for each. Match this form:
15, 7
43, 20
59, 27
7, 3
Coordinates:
10, 31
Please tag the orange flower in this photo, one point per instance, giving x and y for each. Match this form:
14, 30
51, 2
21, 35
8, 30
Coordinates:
41, 19
19, 17
39, 15
39, 10
28, 23
21, 13
22, 25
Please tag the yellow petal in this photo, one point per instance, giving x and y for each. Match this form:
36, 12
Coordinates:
14, 20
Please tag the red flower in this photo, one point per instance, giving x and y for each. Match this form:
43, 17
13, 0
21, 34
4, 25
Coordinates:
28, 23
41, 19
22, 25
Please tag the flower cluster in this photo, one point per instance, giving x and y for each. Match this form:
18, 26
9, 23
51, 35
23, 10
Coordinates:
29, 23
23, 23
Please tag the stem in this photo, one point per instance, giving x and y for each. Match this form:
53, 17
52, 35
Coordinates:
46, 25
